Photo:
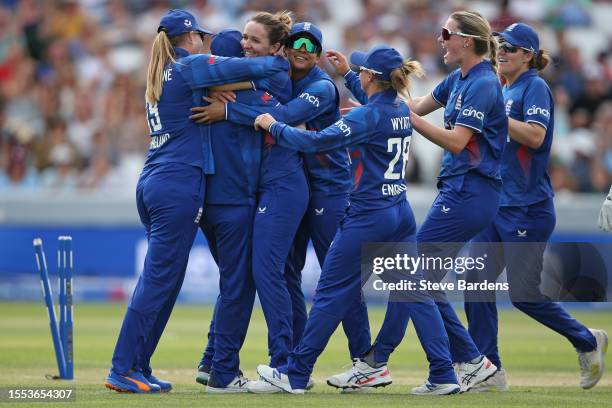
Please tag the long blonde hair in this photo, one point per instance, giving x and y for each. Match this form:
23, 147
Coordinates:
473, 23
161, 53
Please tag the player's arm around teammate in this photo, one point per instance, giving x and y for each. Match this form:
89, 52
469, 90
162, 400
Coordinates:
526, 217
171, 187
374, 216
315, 103
283, 197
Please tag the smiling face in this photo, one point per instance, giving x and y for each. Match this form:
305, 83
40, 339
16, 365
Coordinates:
455, 45
512, 64
255, 41
300, 59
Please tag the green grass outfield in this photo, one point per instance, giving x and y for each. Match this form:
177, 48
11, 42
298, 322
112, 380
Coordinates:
542, 367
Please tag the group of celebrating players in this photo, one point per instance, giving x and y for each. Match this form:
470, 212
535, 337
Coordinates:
249, 145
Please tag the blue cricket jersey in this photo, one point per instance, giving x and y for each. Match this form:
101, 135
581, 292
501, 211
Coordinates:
476, 102
316, 103
523, 169
237, 148
277, 161
381, 131
176, 138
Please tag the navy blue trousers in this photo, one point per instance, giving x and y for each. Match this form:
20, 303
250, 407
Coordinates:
465, 205
280, 209
169, 200
319, 225
228, 230
339, 288
523, 264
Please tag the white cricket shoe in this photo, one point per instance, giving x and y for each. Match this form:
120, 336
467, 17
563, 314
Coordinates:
435, 389
361, 375
275, 377
592, 363
263, 387
497, 382
237, 385
470, 374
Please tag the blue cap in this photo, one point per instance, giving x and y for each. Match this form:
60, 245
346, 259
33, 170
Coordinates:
381, 60
521, 35
226, 43
176, 22
307, 28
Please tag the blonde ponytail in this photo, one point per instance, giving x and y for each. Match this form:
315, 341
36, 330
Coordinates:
161, 53
400, 77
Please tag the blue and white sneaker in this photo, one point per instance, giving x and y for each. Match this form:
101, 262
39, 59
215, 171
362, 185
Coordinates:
471, 374
133, 382
276, 378
237, 385
164, 386
436, 389
361, 375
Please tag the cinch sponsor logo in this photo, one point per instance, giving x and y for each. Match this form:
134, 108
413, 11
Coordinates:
159, 140
536, 110
473, 113
343, 127
310, 98
402, 123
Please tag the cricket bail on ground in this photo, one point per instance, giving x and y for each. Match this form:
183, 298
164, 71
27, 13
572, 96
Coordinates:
62, 334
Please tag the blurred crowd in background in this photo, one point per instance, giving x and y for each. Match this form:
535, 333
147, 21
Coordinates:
72, 78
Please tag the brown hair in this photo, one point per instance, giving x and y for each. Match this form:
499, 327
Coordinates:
473, 23
161, 53
278, 25
540, 60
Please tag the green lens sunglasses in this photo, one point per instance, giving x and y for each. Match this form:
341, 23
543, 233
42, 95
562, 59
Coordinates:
310, 46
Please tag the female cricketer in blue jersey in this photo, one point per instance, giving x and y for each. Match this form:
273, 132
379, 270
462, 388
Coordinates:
469, 182
527, 213
283, 196
379, 212
171, 188
316, 104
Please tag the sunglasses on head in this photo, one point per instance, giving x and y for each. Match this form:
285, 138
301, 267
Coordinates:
511, 49
446, 34
310, 46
